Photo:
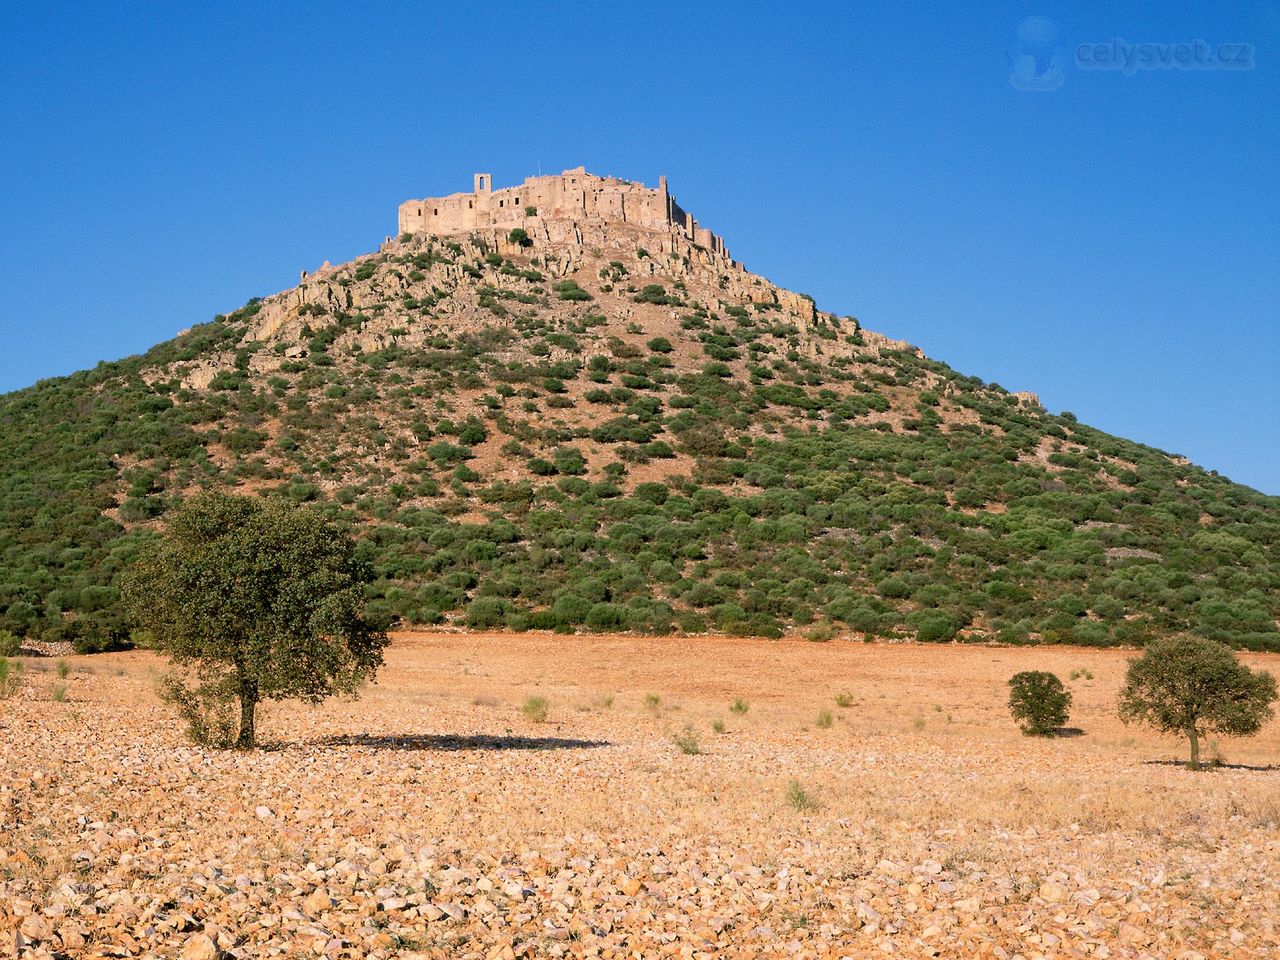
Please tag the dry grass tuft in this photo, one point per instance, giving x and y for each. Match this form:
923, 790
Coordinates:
687, 741
801, 799
535, 708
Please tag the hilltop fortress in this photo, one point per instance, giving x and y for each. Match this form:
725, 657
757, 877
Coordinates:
616, 240
572, 195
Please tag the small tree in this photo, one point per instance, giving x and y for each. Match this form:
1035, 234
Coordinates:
10, 645
520, 237
1194, 687
263, 598
1038, 701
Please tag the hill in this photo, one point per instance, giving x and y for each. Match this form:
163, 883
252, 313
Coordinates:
588, 421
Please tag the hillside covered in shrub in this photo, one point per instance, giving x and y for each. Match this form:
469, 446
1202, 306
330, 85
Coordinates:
624, 432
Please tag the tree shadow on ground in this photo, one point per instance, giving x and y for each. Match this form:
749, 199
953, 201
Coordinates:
1068, 732
1207, 766
457, 741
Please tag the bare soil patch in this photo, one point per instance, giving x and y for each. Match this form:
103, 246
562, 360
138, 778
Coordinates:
433, 818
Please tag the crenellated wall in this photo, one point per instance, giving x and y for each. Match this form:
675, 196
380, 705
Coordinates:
574, 194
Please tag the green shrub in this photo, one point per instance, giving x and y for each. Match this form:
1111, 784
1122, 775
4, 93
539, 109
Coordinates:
820, 633
606, 616
1089, 633
542, 468
570, 609
542, 620
824, 720
893, 588
691, 622
569, 290
520, 236
739, 706
570, 461
484, 613
933, 626
1038, 701
655, 293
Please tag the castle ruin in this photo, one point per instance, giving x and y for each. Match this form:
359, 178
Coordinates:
574, 194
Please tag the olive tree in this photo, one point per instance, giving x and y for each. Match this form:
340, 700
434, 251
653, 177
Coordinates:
262, 598
1194, 687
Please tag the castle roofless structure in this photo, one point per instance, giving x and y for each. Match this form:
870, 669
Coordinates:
572, 195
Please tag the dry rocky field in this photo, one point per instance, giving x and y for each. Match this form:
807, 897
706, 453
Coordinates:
435, 818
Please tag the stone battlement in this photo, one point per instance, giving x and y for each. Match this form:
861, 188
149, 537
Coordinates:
574, 194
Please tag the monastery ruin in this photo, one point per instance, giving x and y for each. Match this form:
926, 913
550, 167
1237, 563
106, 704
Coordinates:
572, 195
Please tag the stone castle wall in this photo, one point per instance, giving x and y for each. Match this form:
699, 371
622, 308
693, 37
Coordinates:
574, 194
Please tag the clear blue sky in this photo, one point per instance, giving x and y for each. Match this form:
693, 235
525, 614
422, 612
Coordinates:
1112, 244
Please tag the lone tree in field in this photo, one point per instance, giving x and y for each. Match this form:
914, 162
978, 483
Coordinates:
1195, 687
263, 598
1038, 701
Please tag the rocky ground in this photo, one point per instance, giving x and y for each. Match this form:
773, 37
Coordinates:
434, 818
